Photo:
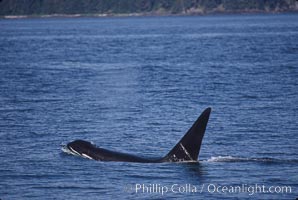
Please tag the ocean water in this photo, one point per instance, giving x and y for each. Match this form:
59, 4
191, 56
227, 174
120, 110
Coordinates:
136, 85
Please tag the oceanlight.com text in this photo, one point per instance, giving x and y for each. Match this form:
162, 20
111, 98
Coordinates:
252, 189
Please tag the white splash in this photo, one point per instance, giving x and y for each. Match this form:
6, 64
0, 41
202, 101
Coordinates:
70, 151
226, 159
239, 159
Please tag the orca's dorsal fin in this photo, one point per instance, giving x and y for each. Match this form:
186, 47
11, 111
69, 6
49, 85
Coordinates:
188, 148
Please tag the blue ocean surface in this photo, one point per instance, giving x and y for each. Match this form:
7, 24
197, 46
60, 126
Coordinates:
136, 85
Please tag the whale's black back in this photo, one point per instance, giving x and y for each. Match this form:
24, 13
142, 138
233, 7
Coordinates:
187, 149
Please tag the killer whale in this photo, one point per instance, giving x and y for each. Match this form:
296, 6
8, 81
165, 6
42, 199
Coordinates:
186, 150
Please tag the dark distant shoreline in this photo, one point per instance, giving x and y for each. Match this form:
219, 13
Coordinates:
15, 9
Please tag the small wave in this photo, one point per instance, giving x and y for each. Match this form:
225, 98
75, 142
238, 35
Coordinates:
243, 159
